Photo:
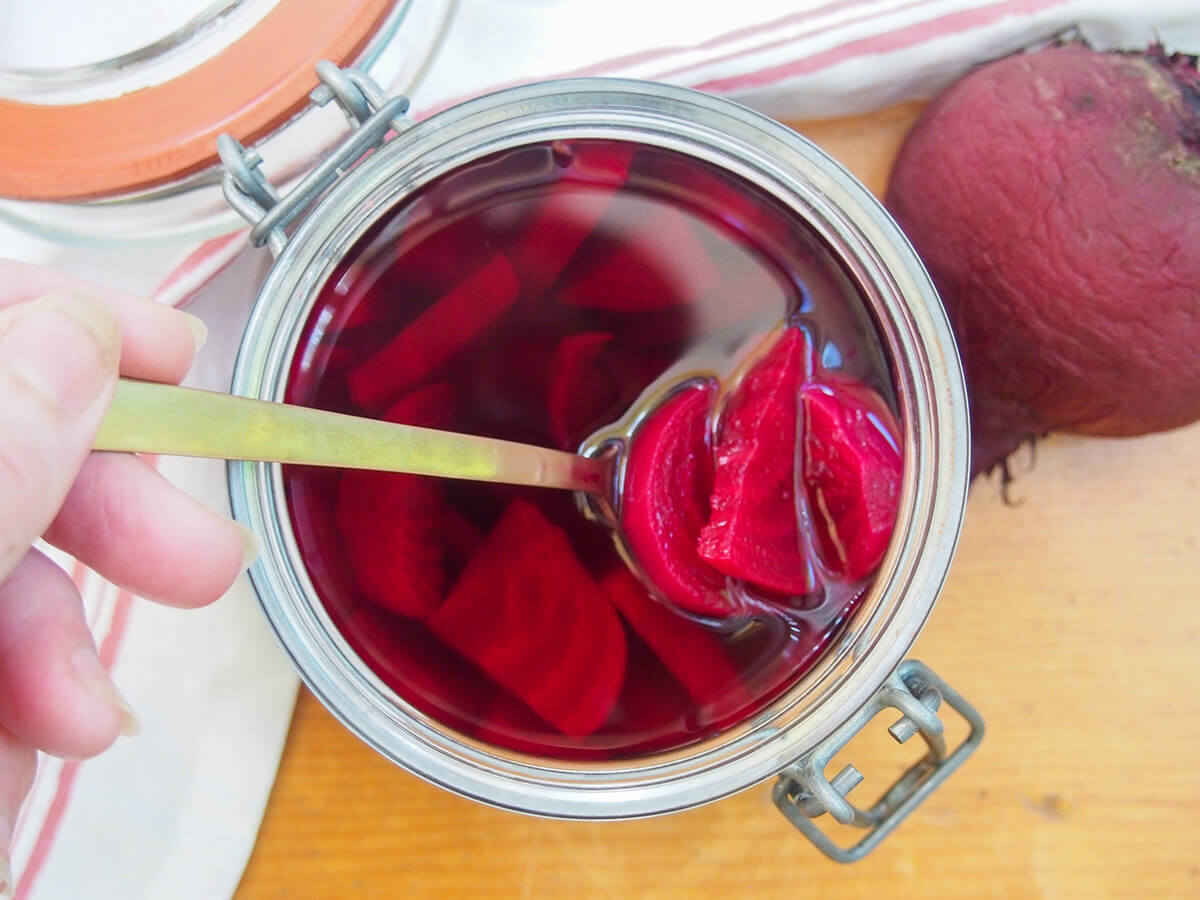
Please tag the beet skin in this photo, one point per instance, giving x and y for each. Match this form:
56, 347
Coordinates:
1055, 198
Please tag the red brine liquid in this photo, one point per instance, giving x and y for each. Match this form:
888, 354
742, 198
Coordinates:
609, 297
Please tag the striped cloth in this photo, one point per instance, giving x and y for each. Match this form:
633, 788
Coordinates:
173, 813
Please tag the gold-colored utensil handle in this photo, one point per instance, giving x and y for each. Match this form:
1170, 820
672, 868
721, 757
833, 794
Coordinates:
175, 421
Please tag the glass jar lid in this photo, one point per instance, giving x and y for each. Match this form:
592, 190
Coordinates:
116, 140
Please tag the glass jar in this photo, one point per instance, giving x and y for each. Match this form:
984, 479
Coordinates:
121, 150
863, 672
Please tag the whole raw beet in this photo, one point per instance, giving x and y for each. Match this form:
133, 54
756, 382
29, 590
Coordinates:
1055, 198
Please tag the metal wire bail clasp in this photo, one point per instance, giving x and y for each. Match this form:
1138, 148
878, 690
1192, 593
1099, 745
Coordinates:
372, 118
803, 793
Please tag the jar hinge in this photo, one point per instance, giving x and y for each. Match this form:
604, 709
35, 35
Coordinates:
373, 118
803, 792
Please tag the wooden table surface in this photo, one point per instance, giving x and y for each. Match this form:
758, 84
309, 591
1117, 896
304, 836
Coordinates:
1070, 619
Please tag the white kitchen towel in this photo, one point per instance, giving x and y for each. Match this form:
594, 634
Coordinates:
172, 814
788, 59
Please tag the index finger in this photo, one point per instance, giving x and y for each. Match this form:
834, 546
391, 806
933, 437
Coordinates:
158, 342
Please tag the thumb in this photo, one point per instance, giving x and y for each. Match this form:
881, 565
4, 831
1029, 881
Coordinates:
58, 366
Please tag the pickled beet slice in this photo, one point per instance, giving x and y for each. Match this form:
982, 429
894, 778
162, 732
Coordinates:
571, 212
593, 163
754, 529
462, 536
593, 379
527, 613
658, 262
506, 381
740, 213
668, 476
312, 495
415, 664
431, 254
510, 723
744, 297
394, 525
582, 387
852, 471
693, 654
437, 335
651, 703
431, 406
392, 528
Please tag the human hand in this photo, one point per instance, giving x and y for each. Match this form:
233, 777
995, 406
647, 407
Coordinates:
62, 343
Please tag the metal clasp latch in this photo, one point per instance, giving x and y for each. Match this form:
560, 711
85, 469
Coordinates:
803, 793
372, 117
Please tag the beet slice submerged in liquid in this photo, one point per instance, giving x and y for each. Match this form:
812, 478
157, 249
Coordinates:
443, 330
692, 653
653, 259
413, 662
527, 613
570, 212
582, 386
394, 525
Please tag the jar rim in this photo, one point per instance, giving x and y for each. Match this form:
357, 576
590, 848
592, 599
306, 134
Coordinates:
926, 373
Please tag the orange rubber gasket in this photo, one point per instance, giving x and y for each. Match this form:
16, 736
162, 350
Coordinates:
162, 133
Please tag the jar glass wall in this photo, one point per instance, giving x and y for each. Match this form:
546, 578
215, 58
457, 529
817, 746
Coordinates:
925, 371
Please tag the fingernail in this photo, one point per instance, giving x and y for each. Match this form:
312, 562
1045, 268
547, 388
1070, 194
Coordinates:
65, 346
251, 546
93, 676
199, 329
